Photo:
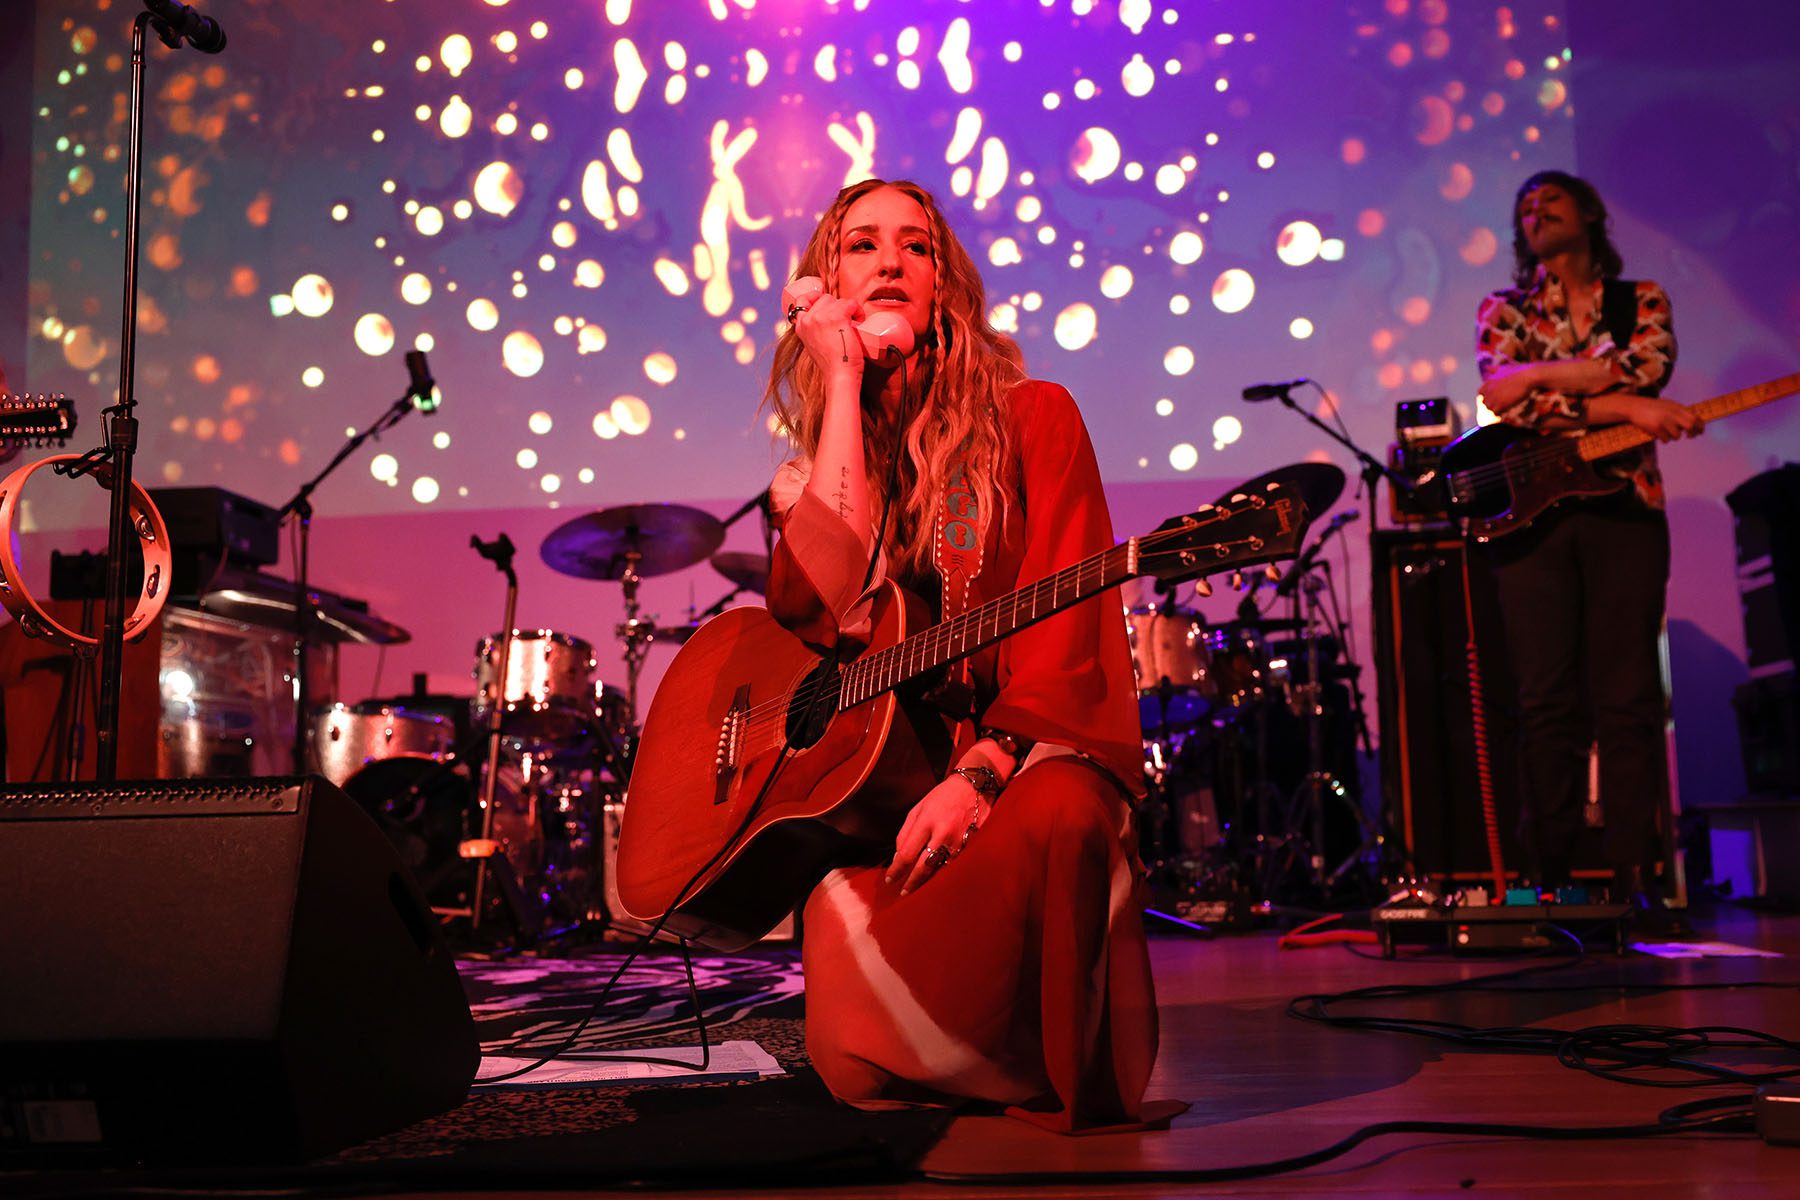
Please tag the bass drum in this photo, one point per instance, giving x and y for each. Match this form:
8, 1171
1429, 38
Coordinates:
426, 809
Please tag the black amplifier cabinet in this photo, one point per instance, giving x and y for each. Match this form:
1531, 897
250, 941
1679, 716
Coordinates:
1766, 509
1431, 797
223, 525
211, 971
1768, 717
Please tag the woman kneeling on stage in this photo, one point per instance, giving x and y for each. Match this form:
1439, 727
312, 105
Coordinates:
999, 955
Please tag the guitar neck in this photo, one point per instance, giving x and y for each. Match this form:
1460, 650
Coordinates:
962, 636
1618, 438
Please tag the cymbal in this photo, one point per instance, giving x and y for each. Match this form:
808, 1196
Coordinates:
598, 545
747, 571
1320, 484
258, 599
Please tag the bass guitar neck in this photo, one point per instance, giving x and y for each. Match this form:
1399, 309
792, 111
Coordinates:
1501, 477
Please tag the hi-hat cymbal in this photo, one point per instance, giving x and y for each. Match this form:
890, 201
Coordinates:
747, 571
1320, 484
599, 545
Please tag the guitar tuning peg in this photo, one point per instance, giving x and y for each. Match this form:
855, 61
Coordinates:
1237, 581
1272, 573
1203, 588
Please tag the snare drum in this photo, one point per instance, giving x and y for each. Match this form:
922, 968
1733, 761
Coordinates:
548, 695
347, 738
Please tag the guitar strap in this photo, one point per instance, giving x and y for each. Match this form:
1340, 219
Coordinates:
1618, 310
957, 555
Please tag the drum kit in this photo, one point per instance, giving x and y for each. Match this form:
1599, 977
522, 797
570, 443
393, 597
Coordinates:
503, 803
1249, 741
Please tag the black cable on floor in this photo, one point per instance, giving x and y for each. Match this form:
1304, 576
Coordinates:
1642, 1055
1738, 1120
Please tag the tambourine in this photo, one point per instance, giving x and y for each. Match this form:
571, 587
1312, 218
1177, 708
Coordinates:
153, 539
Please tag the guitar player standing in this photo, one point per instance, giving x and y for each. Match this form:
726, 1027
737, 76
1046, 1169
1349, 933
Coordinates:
1572, 346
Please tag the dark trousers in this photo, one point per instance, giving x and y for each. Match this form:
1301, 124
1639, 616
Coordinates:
1582, 595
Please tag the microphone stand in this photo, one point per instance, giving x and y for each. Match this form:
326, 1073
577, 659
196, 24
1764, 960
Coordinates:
1372, 473
113, 461
758, 501
499, 552
300, 506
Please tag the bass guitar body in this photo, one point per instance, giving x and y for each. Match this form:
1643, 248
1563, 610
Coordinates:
1501, 477
725, 830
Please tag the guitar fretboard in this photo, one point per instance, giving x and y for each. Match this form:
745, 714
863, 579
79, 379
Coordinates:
964, 635
1618, 438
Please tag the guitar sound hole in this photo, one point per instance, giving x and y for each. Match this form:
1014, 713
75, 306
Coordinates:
815, 702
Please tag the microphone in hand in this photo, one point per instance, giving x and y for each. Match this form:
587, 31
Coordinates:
1269, 391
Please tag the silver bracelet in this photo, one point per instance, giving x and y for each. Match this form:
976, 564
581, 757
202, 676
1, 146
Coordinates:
983, 779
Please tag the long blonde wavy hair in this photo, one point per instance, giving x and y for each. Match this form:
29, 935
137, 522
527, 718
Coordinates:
961, 372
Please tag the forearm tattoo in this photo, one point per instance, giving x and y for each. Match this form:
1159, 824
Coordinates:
842, 495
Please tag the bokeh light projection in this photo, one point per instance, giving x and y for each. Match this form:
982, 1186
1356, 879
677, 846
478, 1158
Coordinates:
587, 211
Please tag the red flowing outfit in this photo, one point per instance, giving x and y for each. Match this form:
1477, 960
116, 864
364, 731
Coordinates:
1018, 973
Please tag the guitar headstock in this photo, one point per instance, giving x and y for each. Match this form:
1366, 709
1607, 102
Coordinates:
1265, 525
35, 420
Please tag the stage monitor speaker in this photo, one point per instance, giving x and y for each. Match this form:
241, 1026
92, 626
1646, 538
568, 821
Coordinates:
1430, 790
215, 971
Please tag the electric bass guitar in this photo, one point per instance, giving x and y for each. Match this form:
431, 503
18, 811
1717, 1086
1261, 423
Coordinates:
1500, 477
761, 762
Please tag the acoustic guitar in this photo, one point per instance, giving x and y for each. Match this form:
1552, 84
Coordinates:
1501, 477
761, 762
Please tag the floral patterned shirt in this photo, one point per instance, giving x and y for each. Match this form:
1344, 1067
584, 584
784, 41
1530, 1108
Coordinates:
1533, 324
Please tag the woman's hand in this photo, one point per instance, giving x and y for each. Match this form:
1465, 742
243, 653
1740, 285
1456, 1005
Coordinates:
935, 832
828, 332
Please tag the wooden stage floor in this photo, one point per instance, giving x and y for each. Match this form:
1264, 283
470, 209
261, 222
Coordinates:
1264, 1085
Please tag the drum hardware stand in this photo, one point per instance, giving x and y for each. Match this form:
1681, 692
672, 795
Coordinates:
637, 634
421, 394
1373, 471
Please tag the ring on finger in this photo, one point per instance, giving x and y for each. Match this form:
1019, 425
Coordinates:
937, 856
794, 310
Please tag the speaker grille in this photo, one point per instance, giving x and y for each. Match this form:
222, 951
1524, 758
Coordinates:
150, 798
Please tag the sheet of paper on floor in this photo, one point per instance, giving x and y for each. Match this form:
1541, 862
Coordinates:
729, 1060
1701, 950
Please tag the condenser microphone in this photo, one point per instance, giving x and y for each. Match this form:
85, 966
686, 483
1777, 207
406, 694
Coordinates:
177, 22
1270, 391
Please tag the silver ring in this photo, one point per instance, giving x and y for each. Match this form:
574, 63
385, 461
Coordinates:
937, 856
